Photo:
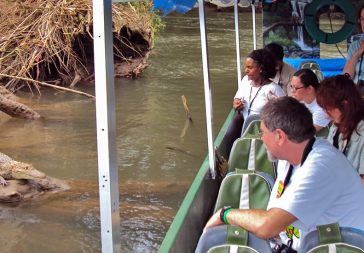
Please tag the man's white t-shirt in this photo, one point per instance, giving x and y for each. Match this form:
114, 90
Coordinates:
325, 189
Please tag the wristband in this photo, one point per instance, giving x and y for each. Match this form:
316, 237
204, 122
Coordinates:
224, 211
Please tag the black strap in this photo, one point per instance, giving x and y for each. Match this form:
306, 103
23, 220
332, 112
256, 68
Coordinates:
306, 151
251, 102
335, 142
280, 75
361, 61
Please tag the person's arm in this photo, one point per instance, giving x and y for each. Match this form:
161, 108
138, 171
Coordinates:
264, 224
319, 117
351, 63
276, 91
317, 127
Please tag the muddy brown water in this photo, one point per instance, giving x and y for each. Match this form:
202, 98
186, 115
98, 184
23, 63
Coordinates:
159, 152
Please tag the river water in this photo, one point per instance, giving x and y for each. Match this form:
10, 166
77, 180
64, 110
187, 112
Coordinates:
159, 151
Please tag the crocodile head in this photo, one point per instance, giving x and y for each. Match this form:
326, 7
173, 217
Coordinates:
25, 171
17, 191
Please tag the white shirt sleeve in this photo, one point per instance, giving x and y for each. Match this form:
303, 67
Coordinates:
245, 82
319, 116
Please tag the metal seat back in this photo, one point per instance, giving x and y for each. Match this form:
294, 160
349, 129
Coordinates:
228, 238
245, 189
333, 239
251, 154
251, 126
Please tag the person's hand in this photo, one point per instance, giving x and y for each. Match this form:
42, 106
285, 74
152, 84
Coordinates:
238, 104
271, 95
213, 221
360, 50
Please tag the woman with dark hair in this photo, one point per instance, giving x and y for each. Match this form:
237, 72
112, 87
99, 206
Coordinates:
256, 87
342, 101
304, 85
354, 61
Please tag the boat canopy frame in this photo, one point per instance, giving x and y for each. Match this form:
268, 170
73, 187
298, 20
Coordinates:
106, 114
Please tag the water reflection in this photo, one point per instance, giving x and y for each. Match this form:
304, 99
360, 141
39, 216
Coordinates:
156, 165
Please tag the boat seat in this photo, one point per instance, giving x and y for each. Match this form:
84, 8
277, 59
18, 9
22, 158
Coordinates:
323, 133
251, 126
251, 154
245, 189
331, 236
228, 238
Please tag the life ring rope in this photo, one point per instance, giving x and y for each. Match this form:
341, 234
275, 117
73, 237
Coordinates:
311, 12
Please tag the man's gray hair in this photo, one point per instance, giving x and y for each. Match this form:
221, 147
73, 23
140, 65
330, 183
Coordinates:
289, 115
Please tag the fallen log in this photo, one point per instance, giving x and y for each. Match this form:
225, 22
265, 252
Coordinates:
16, 109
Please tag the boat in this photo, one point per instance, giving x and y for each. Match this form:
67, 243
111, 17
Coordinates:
200, 199
199, 202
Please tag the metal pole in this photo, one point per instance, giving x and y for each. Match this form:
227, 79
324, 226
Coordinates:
207, 88
254, 31
237, 39
105, 121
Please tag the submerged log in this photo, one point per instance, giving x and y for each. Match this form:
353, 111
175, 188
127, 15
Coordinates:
185, 105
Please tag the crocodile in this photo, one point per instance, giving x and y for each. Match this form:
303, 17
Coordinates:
11, 169
19, 181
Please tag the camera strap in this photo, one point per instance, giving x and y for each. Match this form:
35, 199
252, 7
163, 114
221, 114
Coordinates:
361, 62
306, 151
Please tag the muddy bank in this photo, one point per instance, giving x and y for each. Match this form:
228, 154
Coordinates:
51, 41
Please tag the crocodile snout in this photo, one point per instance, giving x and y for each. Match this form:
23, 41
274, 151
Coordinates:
26, 171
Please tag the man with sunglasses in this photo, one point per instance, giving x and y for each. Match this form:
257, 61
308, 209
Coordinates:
315, 184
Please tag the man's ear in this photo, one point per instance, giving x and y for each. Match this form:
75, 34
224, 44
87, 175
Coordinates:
281, 136
311, 88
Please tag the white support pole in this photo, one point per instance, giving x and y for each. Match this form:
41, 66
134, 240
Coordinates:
106, 127
237, 39
207, 88
254, 29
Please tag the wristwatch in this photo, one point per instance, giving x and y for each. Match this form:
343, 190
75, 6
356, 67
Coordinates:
224, 212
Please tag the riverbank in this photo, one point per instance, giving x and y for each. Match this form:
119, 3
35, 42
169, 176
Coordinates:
51, 41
